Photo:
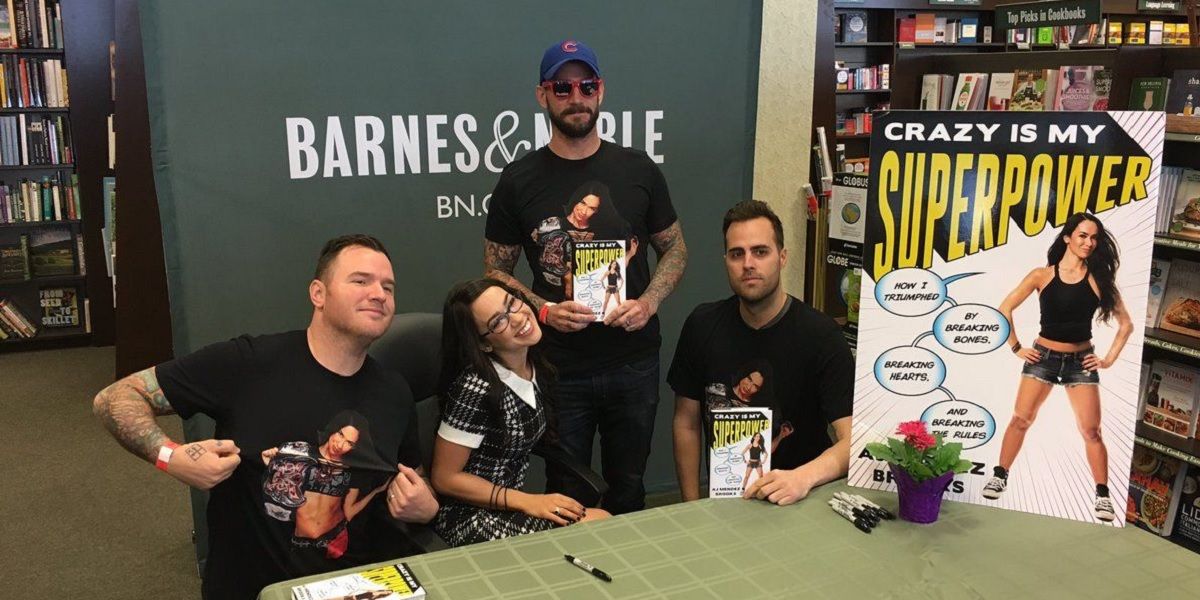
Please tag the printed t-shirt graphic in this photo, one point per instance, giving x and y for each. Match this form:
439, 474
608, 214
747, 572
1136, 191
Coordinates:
323, 484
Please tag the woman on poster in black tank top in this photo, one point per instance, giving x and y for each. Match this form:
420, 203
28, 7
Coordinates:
1079, 279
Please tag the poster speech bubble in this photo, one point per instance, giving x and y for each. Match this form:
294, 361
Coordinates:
910, 370
913, 292
961, 421
971, 329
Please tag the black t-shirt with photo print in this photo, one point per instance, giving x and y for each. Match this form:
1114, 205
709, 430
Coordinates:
798, 366
309, 504
534, 206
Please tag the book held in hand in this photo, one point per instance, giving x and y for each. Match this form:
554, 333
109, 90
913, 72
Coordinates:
740, 452
393, 582
598, 275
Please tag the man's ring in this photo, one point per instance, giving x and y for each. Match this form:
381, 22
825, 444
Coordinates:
556, 511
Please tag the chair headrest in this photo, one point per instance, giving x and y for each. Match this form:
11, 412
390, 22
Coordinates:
412, 346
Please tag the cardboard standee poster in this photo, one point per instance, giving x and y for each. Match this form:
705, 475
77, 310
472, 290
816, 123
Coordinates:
965, 220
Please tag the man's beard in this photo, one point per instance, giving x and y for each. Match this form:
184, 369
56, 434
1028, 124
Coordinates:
573, 130
764, 294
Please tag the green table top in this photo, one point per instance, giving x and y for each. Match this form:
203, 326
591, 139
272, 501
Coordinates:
751, 549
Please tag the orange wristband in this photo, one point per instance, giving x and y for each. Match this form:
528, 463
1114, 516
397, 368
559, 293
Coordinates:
544, 312
164, 455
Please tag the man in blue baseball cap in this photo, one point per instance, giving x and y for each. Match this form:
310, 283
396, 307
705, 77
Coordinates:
564, 204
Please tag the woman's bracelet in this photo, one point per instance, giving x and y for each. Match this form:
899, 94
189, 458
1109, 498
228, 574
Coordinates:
1016, 347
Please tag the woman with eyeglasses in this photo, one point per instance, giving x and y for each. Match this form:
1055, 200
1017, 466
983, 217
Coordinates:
493, 414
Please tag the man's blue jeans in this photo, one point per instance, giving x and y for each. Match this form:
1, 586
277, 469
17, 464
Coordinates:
621, 403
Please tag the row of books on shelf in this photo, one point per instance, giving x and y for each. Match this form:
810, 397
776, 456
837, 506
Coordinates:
1164, 496
50, 252
1178, 203
35, 140
1070, 88
31, 201
1115, 33
32, 82
60, 307
928, 28
31, 24
857, 121
876, 77
1066, 88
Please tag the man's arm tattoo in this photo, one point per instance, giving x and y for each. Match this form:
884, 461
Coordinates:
672, 260
127, 409
499, 261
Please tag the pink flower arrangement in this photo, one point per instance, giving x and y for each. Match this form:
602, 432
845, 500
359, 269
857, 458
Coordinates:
922, 454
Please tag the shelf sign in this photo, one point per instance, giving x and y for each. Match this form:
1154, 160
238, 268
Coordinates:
1048, 14
954, 2
1160, 5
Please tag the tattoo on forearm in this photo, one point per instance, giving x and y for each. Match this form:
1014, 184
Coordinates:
499, 261
195, 451
127, 409
672, 260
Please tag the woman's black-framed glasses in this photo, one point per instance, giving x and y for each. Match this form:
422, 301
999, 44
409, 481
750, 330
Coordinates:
500, 322
562, 88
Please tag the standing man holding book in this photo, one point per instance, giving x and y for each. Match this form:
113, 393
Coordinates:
313, 437
762, 347
582, 189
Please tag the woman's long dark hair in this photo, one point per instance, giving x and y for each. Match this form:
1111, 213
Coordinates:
461, 348
606, 220
1101, 265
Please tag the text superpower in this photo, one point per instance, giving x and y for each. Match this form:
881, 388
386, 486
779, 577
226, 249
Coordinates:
591, 259
973, 197
731, 432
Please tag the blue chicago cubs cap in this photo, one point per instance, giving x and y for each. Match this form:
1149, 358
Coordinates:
564, 52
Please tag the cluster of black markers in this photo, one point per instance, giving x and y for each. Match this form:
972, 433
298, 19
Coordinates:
858, 510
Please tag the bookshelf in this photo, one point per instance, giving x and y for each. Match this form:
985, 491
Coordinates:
908, 61
82, 41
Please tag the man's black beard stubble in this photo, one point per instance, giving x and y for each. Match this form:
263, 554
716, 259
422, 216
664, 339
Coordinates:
574, 131
762, 299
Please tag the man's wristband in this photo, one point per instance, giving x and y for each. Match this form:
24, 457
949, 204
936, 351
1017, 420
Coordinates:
544, 312
164, 455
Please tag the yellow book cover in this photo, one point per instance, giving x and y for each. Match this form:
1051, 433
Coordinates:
1114, 33
1137, 33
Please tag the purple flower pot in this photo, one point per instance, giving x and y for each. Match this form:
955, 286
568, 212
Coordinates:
920, 501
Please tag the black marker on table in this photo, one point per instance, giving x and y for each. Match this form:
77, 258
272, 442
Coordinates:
589, 568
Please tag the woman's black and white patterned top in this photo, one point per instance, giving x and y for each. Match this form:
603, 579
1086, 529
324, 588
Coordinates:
500, 445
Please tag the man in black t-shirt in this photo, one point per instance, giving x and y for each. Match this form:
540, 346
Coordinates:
309, 431
762, 347
580, 190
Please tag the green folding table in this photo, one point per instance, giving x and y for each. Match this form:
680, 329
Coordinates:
750, 549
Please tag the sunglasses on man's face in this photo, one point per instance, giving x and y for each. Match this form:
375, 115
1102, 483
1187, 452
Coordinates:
561, 88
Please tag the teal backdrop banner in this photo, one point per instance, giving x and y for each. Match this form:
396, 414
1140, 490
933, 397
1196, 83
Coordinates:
279, 124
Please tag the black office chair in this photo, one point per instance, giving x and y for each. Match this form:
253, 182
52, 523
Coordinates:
412, 346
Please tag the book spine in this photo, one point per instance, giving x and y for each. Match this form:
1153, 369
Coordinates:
81, 257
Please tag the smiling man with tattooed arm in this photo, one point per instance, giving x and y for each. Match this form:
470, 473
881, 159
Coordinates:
580, 189
313, 438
